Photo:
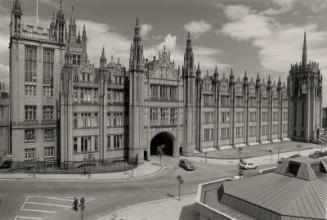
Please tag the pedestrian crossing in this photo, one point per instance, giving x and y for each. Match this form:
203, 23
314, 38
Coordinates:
37, 207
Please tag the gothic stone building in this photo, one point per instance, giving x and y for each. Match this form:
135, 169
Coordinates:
64, 108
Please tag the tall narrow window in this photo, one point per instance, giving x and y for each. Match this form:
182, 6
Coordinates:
30, 70
48, 60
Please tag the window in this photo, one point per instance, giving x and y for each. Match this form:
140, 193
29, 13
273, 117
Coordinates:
275, 116
275, 103
239, 132
48, 112
208, 117
48, 60
264, 102
264, 130
275, 129
253, 116
208, 134
264, 116
285, 128
154, 91
173, 116
285, 116
225, 100
253, 131
239, 101
109, 146
30, 90
118, 141
85, 144
49, 134
253, 102
173, 92
95, 143
153, 115
30, 154
225, 117
30, 112
75, 120
224, 133
75, 145
30, 135
207, 100
239, 117
164, 115
30, 65
48, 152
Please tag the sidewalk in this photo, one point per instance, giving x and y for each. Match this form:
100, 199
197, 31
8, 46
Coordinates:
271, 159
167, 209
260, 150
146, 169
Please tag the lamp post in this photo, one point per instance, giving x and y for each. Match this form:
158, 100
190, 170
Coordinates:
180, 182
270, 151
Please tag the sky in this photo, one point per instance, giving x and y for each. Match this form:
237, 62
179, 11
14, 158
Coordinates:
259, 36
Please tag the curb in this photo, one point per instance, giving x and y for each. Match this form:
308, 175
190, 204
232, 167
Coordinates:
162, 171
143, 204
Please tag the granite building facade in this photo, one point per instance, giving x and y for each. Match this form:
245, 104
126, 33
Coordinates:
64, 108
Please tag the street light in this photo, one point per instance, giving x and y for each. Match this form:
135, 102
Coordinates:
180, 182
239, 151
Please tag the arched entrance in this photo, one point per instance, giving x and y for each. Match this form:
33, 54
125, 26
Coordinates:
164, 140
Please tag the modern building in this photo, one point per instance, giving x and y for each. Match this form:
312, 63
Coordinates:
64, 108
305, 99
4, 120
295, 190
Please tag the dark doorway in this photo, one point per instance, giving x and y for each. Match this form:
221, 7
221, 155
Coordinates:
145, 155
164, 140
181, 151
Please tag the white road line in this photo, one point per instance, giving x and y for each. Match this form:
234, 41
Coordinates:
36, 210
27, 217
54, 198
49, 204
24, 202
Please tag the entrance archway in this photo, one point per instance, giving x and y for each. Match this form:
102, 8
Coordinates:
164, 140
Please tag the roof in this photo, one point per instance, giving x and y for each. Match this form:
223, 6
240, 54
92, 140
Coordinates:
281, 194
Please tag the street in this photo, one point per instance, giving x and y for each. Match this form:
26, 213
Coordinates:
55, 198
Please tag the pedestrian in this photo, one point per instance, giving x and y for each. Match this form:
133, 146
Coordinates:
75, 204
82, 202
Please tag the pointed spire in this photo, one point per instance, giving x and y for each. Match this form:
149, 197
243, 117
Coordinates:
269, 80
231, 77
17, 7
103, 59
60, 5
188, 56
304, 52
198, 71
216, 70
245, 77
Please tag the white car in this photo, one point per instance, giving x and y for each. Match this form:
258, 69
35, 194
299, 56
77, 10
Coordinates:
247, 165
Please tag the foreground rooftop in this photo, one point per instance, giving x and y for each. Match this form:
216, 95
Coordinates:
297, 189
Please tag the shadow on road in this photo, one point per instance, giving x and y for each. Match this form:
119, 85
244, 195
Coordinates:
189, 213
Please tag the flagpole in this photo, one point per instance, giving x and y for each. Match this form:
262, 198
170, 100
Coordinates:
37, 12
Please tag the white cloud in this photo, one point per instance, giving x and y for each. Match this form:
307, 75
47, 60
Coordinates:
278, 44
146, 29
197, 28
102, 35
280, 6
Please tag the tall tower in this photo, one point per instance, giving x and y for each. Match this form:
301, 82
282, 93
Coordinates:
305, 99
136, 97
60, 26
84, 47
189, 99
16, 19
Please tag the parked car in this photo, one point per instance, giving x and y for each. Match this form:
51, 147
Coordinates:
294, 156
318, 154
186, 164
247, 165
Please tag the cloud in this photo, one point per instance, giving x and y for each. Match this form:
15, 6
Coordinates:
146, 29
280, 7
278, 44
197, 28
102, 35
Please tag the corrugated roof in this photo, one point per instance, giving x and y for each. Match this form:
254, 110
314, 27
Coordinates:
283, 194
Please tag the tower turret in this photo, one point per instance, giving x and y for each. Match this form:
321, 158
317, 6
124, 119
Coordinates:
84, 47
72, 24
188, 56
60, 25
198, 71
103, 59
136, 60
16, 18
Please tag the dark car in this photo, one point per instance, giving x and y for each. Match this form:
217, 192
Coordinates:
186, 164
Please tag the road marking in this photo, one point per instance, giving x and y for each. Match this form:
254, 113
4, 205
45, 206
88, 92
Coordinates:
47, 197
24, 202
36, 210
26, 217
49, 204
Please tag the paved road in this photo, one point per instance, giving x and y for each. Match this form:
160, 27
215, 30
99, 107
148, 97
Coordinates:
54, 198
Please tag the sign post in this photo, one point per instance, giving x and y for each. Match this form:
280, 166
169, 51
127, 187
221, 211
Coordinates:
180, 182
